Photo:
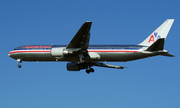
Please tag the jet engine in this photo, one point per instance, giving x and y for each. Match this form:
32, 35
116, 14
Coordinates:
75, 67
60, 52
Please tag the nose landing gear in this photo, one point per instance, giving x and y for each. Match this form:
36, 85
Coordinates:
19, 66
19, 63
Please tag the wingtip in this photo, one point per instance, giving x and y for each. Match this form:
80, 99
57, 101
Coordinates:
88, 22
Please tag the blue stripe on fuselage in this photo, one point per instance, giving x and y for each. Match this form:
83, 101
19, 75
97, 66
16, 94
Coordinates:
48, 47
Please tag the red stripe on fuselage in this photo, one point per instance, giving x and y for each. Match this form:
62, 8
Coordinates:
27, 51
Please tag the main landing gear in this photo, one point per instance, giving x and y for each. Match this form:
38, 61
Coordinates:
89, 70
19, 63
81, 61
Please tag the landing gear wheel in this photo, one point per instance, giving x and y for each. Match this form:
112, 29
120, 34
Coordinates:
19, 66
87, 71
91, 70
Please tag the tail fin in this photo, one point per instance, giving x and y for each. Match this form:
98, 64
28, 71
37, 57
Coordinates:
160, 32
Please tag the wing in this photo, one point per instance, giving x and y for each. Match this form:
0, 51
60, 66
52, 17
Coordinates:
81, 39
80, 42
108, 65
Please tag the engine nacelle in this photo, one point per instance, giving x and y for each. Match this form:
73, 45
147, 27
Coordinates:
59, 51
75, 67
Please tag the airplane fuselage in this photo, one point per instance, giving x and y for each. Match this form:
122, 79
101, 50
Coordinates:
96, 52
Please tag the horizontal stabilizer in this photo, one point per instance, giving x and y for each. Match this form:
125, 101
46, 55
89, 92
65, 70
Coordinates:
108, 65
167, 54
158, 45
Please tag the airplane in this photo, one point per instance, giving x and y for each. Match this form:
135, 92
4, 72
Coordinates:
81, 55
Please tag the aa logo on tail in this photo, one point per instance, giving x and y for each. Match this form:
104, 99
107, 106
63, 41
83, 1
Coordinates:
154, 37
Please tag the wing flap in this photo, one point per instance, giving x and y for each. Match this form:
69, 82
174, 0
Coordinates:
108, 65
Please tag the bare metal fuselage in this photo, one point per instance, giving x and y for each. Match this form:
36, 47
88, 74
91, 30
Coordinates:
97, 53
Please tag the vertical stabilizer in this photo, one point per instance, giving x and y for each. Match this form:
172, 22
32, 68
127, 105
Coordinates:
160, 32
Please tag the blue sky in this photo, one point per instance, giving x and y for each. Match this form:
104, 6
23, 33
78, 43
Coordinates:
147, 83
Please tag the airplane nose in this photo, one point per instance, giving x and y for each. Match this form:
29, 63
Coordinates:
12, 54
9, 54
